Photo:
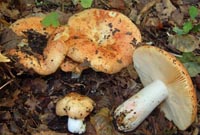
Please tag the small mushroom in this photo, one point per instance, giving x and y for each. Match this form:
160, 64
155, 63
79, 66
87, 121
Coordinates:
103, 38
76, 107
167, 83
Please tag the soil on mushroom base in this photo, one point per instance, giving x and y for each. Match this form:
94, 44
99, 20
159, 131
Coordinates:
27, 102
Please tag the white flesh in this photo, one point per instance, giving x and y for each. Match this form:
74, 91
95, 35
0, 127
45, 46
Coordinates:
76, 125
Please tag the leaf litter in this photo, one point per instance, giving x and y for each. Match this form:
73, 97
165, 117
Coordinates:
27, 101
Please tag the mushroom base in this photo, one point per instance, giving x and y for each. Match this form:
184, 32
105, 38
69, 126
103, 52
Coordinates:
76, 125
134, 110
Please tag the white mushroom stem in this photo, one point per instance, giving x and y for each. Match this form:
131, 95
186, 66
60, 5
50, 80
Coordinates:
134, 110
76, 125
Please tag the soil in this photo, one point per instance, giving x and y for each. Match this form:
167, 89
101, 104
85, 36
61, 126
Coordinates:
27, 100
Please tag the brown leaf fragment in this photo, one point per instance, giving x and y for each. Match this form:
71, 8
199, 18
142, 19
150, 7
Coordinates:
4, 130
177, 17
9, 39
10, 102
144, 10
165, 9
49, 132
32, 103
12, 13
102, 122
117, 4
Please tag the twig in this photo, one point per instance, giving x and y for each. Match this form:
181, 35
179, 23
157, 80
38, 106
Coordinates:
6, 84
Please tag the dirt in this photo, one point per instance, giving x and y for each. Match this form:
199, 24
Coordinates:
27, 100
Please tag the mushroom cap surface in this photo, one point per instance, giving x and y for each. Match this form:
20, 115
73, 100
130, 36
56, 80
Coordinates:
104, 38
152, 63
75, 106
53, 54
34, 23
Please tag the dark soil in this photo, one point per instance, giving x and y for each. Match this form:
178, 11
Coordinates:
27, 100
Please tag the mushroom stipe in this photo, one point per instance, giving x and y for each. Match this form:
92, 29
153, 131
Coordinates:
167, 83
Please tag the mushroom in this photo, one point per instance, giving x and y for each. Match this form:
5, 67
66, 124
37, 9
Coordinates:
103, 38
76, 107
28, 23
53, 54
167, 83
71, 66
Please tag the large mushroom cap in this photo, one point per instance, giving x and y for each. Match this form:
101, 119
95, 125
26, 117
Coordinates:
152, 64
53, 54
75, 106
28, 23
104, 38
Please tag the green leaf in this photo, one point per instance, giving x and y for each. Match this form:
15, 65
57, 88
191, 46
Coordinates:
187, 57
187, 27
183, 43
193, 68
193, 12
178, 30
51, 20
86, 3
196, 28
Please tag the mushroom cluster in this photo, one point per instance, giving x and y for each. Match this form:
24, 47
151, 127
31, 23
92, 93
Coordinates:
105, 41
167, 83
100, 39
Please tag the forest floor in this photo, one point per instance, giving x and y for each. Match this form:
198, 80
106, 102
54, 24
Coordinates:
27, 101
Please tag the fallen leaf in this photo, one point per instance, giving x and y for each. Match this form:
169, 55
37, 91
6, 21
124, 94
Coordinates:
51, 20
4, 130
102, 122
117, 4
32, 103
4, 58
193, 68
48, 132
165, 9
4, 9
183, 43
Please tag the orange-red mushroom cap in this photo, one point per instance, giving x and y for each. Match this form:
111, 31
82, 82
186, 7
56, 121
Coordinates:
104, 38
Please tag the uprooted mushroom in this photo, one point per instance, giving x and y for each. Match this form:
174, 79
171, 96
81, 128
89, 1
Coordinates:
167, 83
103, 39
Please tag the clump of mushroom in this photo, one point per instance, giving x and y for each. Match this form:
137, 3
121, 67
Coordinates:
167, 83
77, 107
102, 38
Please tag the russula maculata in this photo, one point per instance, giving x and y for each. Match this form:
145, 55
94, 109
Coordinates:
166, 83
103, 38
53, 54
76, 107
31, 23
